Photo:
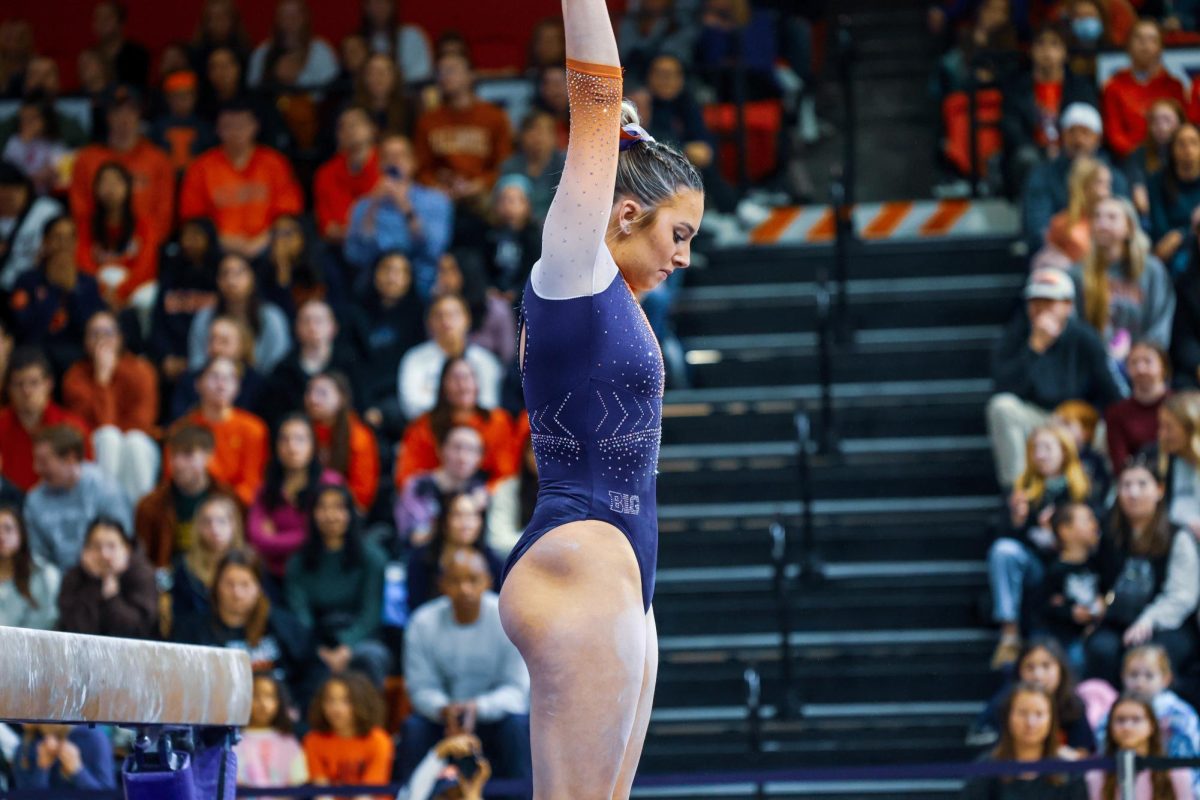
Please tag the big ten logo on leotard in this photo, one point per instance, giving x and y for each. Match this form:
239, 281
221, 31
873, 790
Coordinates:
624, 503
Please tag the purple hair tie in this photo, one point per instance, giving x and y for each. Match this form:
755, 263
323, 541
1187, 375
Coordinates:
632, 134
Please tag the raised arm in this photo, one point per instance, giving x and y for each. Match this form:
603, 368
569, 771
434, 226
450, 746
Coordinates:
575, 225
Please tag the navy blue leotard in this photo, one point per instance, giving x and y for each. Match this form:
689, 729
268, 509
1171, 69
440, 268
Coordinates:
592, 369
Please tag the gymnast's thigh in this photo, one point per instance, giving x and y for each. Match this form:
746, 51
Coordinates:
573, 606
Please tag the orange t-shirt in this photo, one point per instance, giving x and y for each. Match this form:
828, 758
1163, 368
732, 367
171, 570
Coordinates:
240, 202
129, 401
153, 184
349, 761
1047, 96
470, 143
240, 457
335, 188
362, 478
418, 448
140, 256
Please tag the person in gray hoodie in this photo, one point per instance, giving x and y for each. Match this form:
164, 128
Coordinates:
1125, 292
69, 494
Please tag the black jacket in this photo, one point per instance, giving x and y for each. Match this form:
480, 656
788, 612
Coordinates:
1075, 367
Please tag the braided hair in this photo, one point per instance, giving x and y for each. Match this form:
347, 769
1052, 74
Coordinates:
649, 171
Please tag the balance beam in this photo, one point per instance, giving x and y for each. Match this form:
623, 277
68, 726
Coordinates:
72, 678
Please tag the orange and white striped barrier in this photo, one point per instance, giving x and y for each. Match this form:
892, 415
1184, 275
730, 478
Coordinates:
905, 220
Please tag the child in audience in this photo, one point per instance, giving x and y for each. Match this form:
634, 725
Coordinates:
1030, 733
1146, 674
1053, 474
1132, 726
346, 743
1072, 587
28, 585
269, 754
1081, 419
1042, 663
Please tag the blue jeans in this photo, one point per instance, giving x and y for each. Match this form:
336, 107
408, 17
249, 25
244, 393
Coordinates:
1013, 569
505, 743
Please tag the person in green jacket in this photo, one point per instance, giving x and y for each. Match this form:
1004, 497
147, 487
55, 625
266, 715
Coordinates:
334, 584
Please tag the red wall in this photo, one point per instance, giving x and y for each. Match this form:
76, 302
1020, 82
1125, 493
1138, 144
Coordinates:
498, 30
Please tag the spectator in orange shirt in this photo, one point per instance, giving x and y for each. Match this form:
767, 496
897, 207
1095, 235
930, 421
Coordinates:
347, 176
241, 452
344, 444
30, 384
346, 742
153, 175
461, 145
241, 186
1129, 93
458, 404
118, 246
116, 394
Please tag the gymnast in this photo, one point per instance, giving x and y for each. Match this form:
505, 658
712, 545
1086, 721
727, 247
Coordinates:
577, 597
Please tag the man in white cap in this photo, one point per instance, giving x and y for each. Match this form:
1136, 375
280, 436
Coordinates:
1045, 192
1045, 357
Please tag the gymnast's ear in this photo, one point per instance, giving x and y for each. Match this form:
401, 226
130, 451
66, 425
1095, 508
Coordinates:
628, 215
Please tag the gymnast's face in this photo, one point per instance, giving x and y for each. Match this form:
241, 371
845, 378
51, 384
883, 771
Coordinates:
649, 249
